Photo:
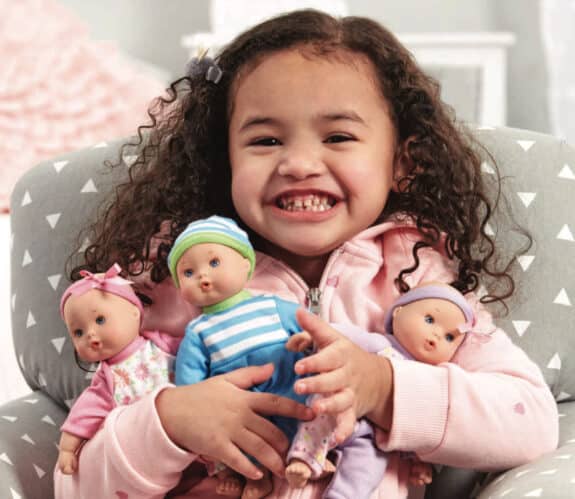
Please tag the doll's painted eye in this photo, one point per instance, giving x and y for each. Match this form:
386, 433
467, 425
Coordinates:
429, 319
100, 320
449, 337
215, 262
188, 273
78, 333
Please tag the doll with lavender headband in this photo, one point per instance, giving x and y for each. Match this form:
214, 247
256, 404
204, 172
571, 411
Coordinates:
103, 316
426, 324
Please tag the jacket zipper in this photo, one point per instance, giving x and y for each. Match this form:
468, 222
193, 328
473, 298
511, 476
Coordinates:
313, 300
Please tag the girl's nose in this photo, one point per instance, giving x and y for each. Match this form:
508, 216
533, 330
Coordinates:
300, 164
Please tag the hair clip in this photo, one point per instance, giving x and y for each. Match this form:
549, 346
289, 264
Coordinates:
205, 66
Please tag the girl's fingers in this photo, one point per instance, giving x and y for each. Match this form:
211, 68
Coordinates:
345, 425
255, 446
246, 377
322, 361
321, 332
274, 405
327, 382
234, 458
335, 403
268, 431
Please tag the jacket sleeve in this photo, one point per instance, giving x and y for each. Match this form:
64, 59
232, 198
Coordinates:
489, 408
118, 460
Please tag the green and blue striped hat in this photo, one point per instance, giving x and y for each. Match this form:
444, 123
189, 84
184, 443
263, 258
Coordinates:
215, 229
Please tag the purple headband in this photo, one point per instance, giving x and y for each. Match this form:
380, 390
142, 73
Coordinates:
110, 282
433, 291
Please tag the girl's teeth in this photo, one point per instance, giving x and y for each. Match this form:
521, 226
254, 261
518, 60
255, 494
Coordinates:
307, 203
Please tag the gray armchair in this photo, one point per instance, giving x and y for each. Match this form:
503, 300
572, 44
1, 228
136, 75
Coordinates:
53, 201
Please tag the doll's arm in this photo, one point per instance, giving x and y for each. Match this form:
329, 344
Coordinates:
192, 360
299, 342
67, 458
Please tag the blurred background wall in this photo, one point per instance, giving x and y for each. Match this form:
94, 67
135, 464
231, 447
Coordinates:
151, 30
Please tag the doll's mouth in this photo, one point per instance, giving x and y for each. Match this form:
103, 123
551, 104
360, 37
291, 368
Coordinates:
429, 344
95, 344
305, 202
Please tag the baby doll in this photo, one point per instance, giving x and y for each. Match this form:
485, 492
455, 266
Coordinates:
210, 262
426, 324
103, 316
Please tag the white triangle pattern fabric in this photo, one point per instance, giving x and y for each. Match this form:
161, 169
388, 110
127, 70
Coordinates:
565, 234
526, 144
562, 298
53, 219
525, 261
58, 165
89, 186
54, 280
59, 344
527, 198
566, 173
26, 200
521, 326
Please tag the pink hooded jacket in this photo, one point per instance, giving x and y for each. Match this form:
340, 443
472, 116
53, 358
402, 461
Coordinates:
488, 409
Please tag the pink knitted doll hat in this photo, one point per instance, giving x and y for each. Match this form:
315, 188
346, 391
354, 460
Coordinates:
109, 282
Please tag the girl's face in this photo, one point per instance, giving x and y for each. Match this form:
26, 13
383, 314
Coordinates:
100, 324
312, 151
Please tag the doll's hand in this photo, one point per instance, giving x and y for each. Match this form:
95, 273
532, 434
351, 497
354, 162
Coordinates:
420, 473
354, 383
299, 342
219, 418
67, 462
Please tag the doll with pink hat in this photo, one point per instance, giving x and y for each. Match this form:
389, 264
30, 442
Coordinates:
103, 316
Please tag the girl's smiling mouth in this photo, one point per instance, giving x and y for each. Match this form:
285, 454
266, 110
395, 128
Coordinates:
314, 202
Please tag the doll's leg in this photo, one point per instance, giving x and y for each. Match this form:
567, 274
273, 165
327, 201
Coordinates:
257, 489
308, 452
230, 483
360, 465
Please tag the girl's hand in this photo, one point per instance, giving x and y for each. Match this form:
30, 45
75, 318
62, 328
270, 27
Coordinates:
219, 418
299, 342
354, 383
67, 462
420, 473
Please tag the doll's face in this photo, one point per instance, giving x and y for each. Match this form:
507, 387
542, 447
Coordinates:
427, 329
210, 273
100, 324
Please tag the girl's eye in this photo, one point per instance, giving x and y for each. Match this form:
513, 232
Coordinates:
337, 138
188, 273
449, 337
100, 320
214, 262
266, 142
429, 319
78, 333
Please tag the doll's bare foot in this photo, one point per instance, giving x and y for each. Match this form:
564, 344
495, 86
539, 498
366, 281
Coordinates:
257, 489
230, 483
297, 474
328, 469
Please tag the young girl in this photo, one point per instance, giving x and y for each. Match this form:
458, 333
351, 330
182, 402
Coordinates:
333, 148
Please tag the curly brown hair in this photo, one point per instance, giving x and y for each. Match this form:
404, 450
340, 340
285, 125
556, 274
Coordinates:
183, 171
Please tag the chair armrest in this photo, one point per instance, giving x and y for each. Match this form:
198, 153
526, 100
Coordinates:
29, 435
550, 476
